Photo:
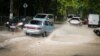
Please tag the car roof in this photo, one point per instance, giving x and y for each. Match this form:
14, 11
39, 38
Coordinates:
40, 19
43, 14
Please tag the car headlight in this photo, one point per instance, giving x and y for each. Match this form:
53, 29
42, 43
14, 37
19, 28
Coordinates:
20, 23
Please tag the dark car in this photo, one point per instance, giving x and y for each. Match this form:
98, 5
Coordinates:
16, 21
85, 21
97, 31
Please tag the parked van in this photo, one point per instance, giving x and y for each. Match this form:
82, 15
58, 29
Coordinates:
93, 20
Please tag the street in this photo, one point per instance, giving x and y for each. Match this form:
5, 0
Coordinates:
66, 40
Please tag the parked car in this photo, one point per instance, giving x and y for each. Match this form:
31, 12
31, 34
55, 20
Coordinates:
50, 17
75, 21
85, 21
11, 25
39, 27
97, 31
16, 21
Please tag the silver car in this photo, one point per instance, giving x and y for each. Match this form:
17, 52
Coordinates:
38, 26
50, 17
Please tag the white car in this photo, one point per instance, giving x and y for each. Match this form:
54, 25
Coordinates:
38, 26
75, 21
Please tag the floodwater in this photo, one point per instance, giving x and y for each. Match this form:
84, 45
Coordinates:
68, 40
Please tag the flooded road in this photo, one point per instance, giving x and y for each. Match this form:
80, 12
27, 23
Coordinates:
68, 40
73, 33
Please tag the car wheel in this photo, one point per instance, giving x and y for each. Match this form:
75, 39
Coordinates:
98, 33
44, 34
94, 31
27, 33
88, 25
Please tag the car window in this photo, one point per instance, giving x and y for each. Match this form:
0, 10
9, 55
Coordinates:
36, 22
50, 16
75, 19
40, 16
47, 23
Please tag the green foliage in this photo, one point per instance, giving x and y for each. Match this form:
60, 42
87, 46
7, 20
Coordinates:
58, 7
81, 7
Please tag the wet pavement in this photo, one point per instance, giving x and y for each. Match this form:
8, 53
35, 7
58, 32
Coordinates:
67, 40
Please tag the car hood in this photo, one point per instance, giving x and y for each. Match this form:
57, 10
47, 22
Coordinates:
75, 21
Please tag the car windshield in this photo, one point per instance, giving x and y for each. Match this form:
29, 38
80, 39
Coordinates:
40, 16
36, 22
75, 19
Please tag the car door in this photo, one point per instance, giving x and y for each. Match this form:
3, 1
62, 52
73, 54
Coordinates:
51, 18
48, 26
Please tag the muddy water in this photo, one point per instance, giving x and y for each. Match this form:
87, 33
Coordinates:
62, 42
73, 34
2, 39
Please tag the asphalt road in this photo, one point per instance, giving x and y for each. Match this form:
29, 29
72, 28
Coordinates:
67, 40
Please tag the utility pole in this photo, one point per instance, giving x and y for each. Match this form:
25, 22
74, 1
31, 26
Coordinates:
25, 5
11, 10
